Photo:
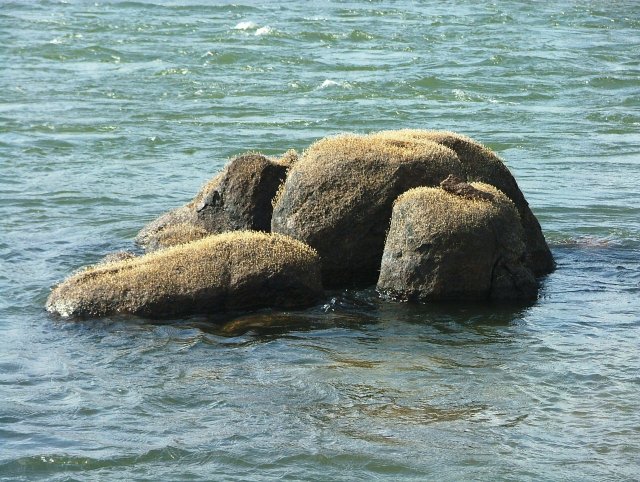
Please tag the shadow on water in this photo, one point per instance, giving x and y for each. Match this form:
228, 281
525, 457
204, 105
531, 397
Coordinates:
352, 309
345, 309
448, 313
356, 309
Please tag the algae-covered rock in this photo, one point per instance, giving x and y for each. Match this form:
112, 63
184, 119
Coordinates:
149, 236
338, 198
480, 164
116, 257
456, 242
238, 198
176, 234
231, 271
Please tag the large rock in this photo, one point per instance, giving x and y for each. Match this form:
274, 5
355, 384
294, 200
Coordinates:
231, 271
456, 242
480, 164
338, 198
239, 198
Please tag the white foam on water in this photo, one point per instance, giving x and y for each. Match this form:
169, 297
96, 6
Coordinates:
328, 83
248, 25
266, 30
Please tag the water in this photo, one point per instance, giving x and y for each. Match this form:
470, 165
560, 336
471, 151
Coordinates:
112, 112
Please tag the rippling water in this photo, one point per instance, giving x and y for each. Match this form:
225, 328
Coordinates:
112, 112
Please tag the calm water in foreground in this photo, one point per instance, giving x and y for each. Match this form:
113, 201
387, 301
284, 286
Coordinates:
112, 112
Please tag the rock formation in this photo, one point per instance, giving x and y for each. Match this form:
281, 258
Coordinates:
338, 197
456, 242
239, 198
480, 164
428, 215
232, 271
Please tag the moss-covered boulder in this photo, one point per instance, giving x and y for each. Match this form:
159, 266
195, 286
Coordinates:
338, 198
238, 198
456, 242
480, 164
231, 271
176, 234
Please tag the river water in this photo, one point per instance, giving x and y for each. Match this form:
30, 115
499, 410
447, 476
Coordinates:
113, 112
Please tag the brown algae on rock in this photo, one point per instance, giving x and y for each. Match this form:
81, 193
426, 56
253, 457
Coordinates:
236, 270
459, 245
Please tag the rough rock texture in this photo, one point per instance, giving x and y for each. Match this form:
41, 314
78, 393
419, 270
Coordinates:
175, 234
148, 236
480, 164
338, 198
116, 257
231, 271
238, 198
464, 242
457, 186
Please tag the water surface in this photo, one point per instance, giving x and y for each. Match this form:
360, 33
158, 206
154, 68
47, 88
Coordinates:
113, 112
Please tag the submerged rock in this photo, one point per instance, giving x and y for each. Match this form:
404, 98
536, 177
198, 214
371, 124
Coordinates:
456, 242
338, 198
480, 164
230, 271
239, 198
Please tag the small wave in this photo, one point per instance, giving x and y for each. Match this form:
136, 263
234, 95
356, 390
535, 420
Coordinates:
174, 71
359, 35
246, 26
328, 83
461, 95
313, 36
588, 242
36, 465
65, 38
266, 30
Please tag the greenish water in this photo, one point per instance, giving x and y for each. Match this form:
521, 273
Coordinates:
112, 112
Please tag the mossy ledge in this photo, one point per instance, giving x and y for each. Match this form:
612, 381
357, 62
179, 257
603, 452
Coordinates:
241, 270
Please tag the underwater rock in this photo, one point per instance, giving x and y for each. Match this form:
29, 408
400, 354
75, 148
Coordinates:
231, 271
480, 164
238, 198
460, 242
338, 198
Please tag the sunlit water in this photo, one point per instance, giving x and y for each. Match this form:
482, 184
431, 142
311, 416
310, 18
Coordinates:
113, 112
